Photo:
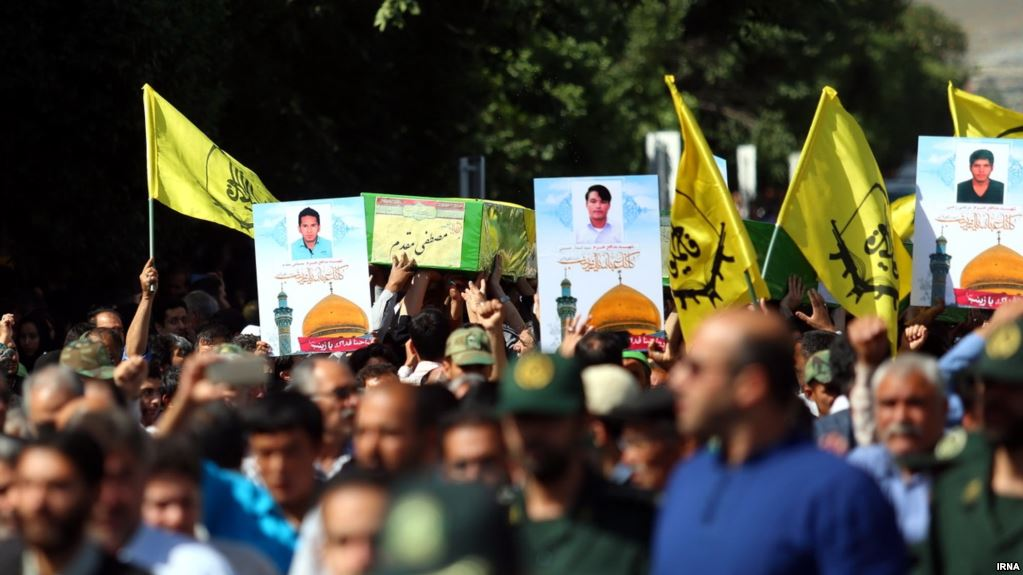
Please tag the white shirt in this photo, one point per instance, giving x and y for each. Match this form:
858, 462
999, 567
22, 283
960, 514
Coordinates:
591, 235
166, 553
415, 376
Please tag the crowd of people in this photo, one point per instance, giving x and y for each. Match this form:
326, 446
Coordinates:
784, 439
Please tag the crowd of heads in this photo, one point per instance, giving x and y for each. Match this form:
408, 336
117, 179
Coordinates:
109, 429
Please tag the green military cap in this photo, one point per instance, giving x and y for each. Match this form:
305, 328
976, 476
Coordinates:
818, 368
434, 527
88, 359
1003, 355
541, 383
469, 346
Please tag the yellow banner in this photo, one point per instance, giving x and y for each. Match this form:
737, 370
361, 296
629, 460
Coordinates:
191, 175
977, 117
903, 215
427, 230
709, 252
836, 210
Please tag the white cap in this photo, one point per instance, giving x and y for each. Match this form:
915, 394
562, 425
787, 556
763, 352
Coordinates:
251, 330
608, 386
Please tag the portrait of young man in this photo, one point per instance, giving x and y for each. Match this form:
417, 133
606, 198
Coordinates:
981, 189
310, 245
598, 229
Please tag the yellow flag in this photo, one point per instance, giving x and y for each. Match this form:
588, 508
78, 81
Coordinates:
976, 117
190, 174
903, 215
709, 251
836, 210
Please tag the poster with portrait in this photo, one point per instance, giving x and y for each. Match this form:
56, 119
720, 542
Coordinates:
968, 243
599, 255
311, 269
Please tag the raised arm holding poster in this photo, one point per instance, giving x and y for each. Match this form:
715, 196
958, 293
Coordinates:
968, 243
311, 271
599, 255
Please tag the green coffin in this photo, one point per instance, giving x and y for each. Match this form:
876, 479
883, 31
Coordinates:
451, 233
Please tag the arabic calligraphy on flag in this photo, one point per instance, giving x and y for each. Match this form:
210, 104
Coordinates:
427, 230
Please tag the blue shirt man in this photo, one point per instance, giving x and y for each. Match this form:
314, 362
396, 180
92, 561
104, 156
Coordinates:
768, 501
310, 246
910, 495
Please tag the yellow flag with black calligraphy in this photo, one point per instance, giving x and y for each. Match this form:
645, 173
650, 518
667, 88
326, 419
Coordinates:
977, 117
709, 253
190, 174
837, 212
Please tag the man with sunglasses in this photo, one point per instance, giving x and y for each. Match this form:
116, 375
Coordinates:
977, 500
333, 388
764, 499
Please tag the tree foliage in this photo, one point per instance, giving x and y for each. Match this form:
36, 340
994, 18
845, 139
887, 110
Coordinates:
327, 99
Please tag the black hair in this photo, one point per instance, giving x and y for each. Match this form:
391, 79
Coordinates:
816, 340
601, 190
245, 341
482, 396
375, 370
169, 381
429, 330
774, 355
210, 284
308, 212
98, 310
163, 306
78, 447
982, 154
76, 331
361, 357
466, 417
600, 347
842, 361
285, 411
355, 476
213, 331
217, 429
433, 402
175, 454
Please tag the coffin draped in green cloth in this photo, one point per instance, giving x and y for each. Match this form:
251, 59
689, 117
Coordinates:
451, 233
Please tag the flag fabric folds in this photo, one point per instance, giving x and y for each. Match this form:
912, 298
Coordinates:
709, 250
977, 117
837, 212
190, 174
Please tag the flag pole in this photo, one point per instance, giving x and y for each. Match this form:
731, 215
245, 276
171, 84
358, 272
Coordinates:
752, 290
150, 164
770, 250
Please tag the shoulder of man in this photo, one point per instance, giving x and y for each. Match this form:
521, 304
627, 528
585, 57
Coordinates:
10, 555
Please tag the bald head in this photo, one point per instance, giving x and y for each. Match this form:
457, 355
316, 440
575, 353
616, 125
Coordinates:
387, 430
736, 360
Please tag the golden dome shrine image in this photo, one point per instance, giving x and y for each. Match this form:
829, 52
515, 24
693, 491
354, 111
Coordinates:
997, 269
623, 308
335, 316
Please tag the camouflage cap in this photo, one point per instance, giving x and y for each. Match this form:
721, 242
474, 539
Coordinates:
541, 383
435, 527
469, 346
88, 359
818, 368
230, 349
1003, 355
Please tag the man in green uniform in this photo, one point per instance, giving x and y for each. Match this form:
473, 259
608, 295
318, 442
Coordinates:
568, 518
977, 516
